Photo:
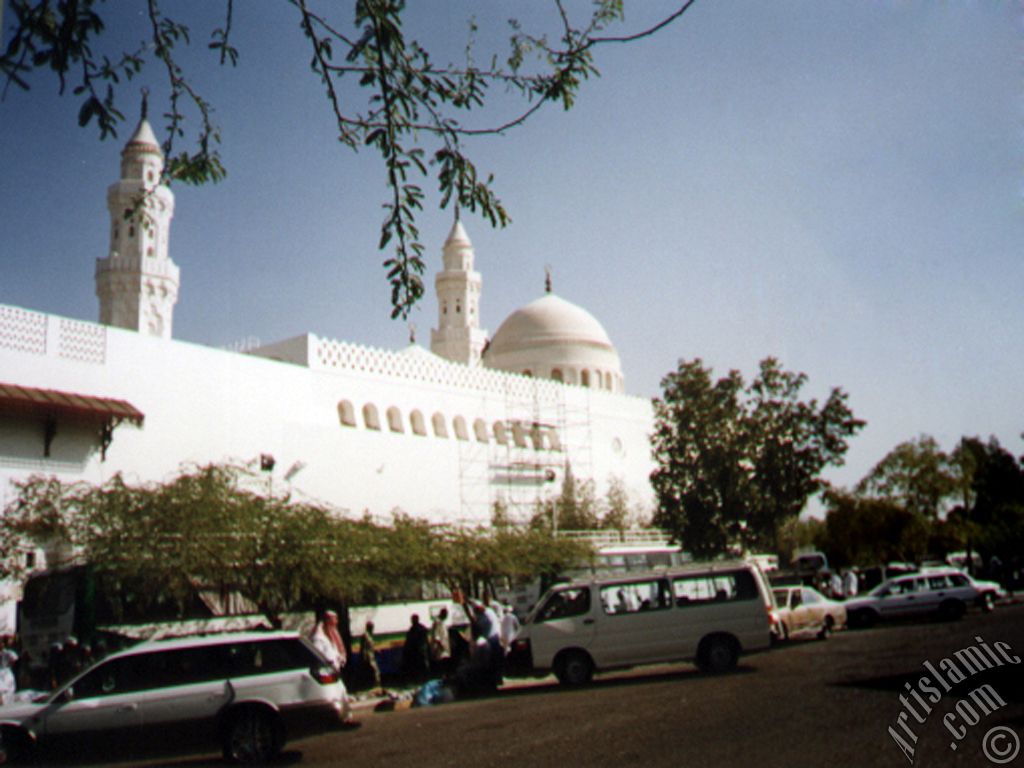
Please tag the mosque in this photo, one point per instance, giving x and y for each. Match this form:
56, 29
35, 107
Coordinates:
443, 434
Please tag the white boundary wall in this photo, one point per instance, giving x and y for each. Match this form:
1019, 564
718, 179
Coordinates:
205, 405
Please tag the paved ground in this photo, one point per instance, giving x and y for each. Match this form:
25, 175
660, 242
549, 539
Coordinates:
809, 703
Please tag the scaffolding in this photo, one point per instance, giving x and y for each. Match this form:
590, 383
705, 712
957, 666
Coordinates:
540, 430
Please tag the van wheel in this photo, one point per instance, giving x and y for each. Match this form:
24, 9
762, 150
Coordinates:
574, 668
252, 736
717, 655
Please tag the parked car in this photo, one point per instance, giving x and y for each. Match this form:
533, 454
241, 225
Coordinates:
946, 593
249, 692
710, 612
804, 611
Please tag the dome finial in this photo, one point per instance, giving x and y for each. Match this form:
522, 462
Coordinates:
547, 278
412, 333
145, 103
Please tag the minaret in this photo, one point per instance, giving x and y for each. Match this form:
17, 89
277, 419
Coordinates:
458, 336
137, 283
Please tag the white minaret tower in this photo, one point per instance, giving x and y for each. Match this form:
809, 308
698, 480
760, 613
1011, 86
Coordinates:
137, 283
458, 336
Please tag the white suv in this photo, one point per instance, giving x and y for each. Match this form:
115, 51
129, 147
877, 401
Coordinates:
248, 691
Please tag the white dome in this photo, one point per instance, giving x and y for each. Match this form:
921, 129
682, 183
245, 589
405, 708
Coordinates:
555, 339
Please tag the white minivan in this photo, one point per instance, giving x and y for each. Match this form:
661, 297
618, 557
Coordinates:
707, 612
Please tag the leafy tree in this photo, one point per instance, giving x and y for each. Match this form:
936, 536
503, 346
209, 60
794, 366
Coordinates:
863, 531
916, 474
574, 509
414, 112
735, 461
617, 513
212, 526
996, 518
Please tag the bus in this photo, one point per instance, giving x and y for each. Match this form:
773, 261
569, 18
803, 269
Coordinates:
96, 606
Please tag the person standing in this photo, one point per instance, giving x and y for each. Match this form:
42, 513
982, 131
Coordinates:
415, 654
509, 629
440, 644
327, 639
850, 584
369, 651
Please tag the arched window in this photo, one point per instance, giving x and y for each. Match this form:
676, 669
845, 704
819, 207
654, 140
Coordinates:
480, 430
519, 434
419, 426
459, 425
537, 437
553, 440
556, 374
608, 381
500, 433
527, 372
346, 413
370, 417
395, 420
440, 428
585, 378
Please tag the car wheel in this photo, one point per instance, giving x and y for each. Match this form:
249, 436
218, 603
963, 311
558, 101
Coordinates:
252, 736
574, 668
16, 746
951, 610
826, 628
863, 619
717, 655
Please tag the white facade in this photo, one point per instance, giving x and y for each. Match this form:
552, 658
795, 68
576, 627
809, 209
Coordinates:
365, 429
441, 435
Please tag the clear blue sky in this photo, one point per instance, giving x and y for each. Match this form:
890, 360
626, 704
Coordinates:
837, 184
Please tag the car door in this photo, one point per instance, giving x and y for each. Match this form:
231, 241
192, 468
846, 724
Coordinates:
814, 609
566, 619
635, 625
797, 612
899, 600
100, 706
188, 688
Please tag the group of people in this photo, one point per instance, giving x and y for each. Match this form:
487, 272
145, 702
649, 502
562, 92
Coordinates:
471, 659
843, 585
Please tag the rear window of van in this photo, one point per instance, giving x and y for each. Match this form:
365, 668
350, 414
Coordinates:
707, 588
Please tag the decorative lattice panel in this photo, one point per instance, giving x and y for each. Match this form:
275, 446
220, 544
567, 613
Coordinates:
85, 342
340, 355
22, 330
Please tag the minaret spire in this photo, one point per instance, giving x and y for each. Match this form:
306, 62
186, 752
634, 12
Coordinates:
137, 283
458, 335
547, 278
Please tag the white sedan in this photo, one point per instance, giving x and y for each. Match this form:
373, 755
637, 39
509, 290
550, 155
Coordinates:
804, 611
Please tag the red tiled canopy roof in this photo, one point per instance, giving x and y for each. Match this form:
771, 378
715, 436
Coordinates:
50, 401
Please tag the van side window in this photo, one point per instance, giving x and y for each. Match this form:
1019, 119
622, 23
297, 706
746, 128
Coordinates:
649, 595
565, 603
958, 579
705, 588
